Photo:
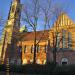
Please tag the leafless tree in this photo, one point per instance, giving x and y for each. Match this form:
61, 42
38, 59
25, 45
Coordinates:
58, 10
33, 12
49, 13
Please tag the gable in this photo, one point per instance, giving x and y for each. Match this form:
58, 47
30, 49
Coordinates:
63, 22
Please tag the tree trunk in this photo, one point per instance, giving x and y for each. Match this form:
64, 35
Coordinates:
54, 56
34, 59
34, 54
54, 49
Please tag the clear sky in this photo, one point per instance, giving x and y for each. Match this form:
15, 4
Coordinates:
68, 4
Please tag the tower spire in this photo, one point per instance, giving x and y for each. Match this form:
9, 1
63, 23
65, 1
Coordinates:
12, 27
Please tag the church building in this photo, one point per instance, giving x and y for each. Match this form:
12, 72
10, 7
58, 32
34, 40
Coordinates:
19, 46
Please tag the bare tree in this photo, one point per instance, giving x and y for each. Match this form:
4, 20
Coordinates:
38, 10
31, 17
52, 13
33, 14
58, 10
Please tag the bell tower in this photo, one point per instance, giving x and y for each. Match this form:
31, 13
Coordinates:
11, 30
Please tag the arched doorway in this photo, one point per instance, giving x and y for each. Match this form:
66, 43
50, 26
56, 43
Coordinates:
64, 61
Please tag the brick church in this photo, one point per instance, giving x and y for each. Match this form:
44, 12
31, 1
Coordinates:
19, 47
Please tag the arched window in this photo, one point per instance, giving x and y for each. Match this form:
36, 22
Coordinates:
57, 40
25, 49
69, 39
45, 48
63, 38
32, 49
38, 48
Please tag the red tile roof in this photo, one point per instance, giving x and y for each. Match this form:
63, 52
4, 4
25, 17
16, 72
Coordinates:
30, 35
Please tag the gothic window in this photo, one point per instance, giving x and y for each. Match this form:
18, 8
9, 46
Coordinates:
45, 48
25, 49
28, 48
32, 49
38, 48
57, 40
69, 40
63, 38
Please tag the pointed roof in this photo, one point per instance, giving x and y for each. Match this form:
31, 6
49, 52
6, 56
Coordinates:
63, 21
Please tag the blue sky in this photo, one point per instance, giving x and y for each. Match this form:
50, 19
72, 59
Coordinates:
4, 7
68, 5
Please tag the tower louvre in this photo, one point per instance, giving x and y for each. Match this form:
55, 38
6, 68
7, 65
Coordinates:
11, 30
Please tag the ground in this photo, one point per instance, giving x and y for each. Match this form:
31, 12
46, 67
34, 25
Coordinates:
3, 73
